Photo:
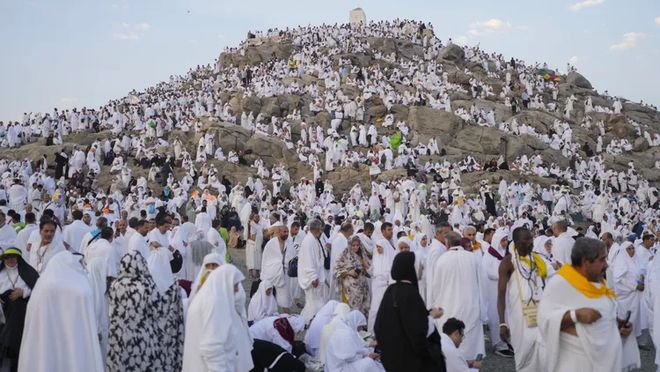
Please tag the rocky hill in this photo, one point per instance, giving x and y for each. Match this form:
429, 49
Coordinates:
456, 68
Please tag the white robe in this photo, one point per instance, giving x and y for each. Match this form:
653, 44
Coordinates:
380, 277
217, 337
7, 236
526, 341
253, 253
321, 319
261, 304
626, 277
310, 268
597, 347
74, 233
435, 251
490, 266
97, 271
160, 269
562, 246
214, 237
272, 270
138, 243
60, 333
40, 256
457, 290
454, 360
346, 351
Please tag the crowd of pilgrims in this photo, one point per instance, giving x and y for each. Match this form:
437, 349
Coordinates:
412, 274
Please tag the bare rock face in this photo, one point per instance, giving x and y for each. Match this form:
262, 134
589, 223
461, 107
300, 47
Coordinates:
482, 140
640, 144
453, 53
343, 179
578, 80
428, 122
619, 127
502, 112
258, 52
540, 120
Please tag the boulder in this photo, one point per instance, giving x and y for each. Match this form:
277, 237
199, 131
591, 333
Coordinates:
255, 54
271, 107
540, 120
374, 112
251, 104
482, 140
453, 53
578, 80
640, 144
384, 45
409, 50
618, 126
426, 122
502, 112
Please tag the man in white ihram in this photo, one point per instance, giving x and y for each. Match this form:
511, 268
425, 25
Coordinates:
577, 315
312, 275
456, 289
273, 263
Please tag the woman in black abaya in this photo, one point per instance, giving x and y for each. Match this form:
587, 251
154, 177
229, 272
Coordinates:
402, 324
17, 278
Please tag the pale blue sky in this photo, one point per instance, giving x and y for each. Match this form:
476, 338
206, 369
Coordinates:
65, 53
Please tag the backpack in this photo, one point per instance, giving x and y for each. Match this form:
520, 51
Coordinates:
292, 268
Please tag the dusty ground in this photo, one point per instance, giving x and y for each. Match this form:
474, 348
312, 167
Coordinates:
492, 363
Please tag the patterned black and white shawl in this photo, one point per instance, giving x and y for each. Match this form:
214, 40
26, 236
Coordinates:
134, 334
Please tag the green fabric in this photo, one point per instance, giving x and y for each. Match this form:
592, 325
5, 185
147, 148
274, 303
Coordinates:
395, 141
225, 234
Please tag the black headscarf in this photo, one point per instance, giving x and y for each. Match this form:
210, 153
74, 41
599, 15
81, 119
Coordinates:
402, 323
403, 268
27, 272
11, 333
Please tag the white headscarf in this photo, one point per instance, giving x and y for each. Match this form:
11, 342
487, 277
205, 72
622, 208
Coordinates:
98, 274
339, 312
418, 240
499, 234
160, 269
539, 245
624, 264
212, 257
345, 340
216, 329
61, 312
407, 241
184, 234
313, 334
261, 304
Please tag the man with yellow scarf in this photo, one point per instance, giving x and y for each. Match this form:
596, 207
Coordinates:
577, 315
522, 278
